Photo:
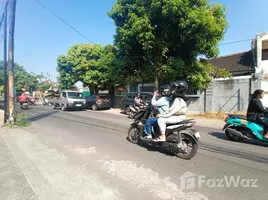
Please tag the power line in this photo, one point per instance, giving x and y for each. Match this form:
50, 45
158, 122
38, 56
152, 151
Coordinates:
64, 21
234, 42
228, 43
3, 16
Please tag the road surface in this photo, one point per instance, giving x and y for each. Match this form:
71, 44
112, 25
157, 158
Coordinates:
85, 155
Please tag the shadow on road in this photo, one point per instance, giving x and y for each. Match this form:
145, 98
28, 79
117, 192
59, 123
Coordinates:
251, 142
218, 135
156, 147
38, 117
211, 148
123, 112
239, 154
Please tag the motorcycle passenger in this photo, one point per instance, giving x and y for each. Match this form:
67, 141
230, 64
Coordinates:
162, 105
256, 112
177, 112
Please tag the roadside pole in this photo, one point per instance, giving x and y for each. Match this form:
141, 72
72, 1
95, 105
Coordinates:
10, 69
5, 63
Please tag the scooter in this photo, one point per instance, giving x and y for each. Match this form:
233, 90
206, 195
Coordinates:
134, 110
238, 128
179, 136
45, 102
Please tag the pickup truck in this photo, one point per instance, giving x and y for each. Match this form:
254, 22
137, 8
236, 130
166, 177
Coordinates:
68, 100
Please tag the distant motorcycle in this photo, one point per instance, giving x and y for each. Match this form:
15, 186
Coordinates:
24, 105
179, 136
134, 110
46, 102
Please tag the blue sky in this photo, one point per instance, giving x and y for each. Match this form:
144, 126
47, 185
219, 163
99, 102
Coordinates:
40, 37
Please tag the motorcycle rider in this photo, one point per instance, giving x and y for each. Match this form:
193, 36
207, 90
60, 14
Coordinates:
256, 112
177, 112
23, 98
138, 101
162, 105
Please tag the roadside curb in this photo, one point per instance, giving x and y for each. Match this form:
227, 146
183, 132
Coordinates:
1, 118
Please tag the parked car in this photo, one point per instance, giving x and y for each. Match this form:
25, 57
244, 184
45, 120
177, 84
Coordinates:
128, 99
96, 102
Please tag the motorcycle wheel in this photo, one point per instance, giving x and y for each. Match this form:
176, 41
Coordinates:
189, 141
133, 134
127, 110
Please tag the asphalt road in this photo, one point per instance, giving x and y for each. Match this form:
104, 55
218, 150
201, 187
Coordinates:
85, 155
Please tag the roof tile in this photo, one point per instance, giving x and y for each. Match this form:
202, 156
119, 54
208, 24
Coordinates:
239, 62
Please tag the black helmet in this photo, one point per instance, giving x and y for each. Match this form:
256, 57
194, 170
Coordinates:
179, 87
165, 90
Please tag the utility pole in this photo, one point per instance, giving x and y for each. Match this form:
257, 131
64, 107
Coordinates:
5, 62
10, 69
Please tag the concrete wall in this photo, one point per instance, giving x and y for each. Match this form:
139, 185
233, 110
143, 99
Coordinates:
227, 95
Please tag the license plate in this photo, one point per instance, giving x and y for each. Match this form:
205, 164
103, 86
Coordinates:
78, 105
106, 100
197, 135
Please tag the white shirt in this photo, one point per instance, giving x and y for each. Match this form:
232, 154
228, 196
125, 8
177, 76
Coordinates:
178, 105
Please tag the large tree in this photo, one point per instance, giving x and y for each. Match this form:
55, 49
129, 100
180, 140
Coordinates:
43, 86
66, 78
22, 78
91, 64
164, 38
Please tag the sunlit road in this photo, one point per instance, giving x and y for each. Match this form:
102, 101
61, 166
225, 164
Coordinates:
85, 155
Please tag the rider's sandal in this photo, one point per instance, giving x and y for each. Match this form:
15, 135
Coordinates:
160, 139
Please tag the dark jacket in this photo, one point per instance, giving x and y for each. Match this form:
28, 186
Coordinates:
256, 110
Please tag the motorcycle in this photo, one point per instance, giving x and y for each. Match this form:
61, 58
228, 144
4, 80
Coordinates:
45, 102
238, 128
179, 136
32, 101
134, 110
24, 105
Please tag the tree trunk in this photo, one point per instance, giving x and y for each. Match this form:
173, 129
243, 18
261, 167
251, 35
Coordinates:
96, 90
111, 95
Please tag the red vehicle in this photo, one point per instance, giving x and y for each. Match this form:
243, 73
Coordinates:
32, 101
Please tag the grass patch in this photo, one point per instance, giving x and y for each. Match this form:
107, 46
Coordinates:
215, 115
20, 122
